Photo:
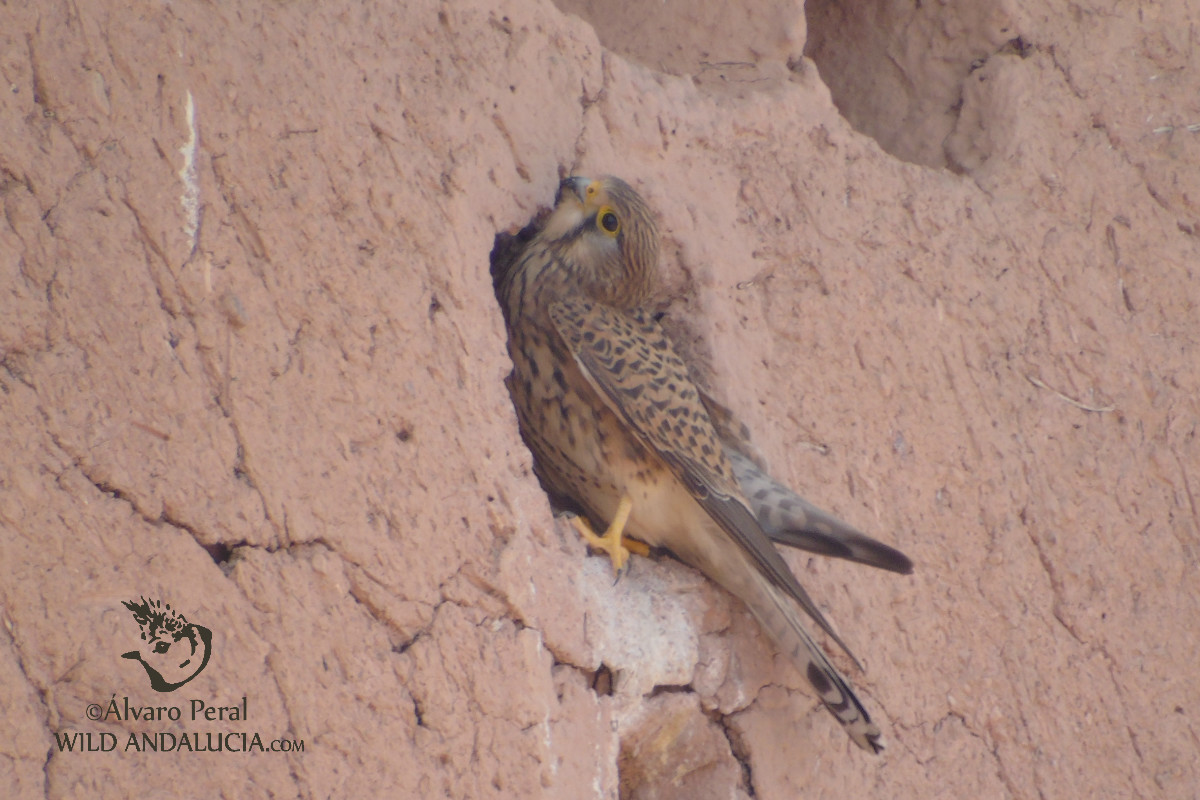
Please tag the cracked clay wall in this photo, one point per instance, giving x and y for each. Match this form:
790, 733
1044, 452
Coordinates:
251, 366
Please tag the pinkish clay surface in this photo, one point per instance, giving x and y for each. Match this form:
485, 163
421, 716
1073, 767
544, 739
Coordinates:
942, 261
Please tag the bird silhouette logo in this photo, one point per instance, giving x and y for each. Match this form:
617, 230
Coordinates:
173, 650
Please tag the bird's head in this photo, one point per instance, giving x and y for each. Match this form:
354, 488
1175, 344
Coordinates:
604, 233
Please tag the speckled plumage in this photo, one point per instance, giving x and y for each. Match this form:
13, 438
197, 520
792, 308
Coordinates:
610, 412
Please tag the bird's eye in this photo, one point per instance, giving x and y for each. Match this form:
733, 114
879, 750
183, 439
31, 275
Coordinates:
608, 221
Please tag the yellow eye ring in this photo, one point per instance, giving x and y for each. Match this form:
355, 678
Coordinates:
607, 221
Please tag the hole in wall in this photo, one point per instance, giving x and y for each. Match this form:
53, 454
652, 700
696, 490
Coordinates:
897, 68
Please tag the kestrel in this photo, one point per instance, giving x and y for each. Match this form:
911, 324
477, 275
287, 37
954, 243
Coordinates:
620, 433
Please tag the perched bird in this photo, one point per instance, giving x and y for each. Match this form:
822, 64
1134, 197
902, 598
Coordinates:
621, 434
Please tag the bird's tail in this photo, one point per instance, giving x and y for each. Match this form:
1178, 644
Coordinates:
778, 616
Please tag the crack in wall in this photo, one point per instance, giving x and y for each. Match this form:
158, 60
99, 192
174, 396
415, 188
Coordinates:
46, 708
739, 750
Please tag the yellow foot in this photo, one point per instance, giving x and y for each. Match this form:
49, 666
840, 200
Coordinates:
612, 542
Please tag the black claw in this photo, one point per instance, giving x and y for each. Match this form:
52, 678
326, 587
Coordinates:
623, 571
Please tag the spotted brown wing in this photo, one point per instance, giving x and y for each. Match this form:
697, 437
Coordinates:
628, 359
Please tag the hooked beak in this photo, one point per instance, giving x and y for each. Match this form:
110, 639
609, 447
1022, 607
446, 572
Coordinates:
574, 187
